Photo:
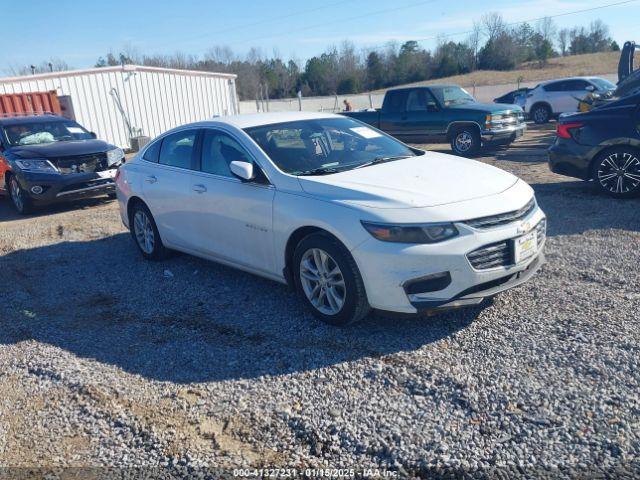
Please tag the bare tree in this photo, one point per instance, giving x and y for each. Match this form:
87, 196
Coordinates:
563, 40
473, 41
493, 25
546, 27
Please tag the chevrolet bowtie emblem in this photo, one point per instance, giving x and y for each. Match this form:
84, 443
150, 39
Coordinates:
524, 227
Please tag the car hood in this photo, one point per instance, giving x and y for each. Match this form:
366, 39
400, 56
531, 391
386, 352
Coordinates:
486, 107
424, 181
61, 149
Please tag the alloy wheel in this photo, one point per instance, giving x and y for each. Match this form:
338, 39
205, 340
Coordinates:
322, 281
540, 115
464, 141
144, 232
619, 172
16, 194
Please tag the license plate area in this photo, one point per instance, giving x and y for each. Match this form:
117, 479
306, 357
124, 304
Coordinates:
525, 247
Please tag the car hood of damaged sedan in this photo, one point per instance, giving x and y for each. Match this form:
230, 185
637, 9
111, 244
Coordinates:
427, 180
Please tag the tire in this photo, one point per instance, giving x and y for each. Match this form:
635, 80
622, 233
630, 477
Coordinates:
466, 141
145, 233
540, 114
19, 198
616, 172
340, 298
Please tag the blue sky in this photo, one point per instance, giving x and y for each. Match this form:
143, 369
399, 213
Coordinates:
81, 31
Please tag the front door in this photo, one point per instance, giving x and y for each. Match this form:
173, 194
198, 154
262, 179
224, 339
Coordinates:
425, 120
231, 219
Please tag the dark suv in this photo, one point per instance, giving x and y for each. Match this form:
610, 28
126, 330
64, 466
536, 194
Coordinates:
603, 145
47, 158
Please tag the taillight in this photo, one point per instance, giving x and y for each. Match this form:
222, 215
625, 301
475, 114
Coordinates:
563, 130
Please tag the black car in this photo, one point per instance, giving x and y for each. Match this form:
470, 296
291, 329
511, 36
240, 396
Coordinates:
510, 97
601, 145
47, 158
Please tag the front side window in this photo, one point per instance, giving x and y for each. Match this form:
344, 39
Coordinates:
575, 85
325, 146
39, 132
554, 87
603, 84
218, 151
451, 95
177, 149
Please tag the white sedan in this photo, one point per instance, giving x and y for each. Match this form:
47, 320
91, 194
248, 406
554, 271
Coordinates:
347, 215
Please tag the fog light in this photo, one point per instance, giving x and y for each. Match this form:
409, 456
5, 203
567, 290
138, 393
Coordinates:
37, 189
430, 283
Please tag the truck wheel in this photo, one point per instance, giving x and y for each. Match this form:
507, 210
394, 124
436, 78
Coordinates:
465, 141
540, 114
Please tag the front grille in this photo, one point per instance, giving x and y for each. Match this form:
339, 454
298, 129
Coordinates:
95, 162
500, 254
502, 218
92, 183
491, 256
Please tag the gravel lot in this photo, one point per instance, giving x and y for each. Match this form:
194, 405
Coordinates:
106, 360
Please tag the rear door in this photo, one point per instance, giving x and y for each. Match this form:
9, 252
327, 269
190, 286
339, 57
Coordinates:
232, 219
166, 186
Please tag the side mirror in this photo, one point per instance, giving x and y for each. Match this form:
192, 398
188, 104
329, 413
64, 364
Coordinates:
93, 135
590, 88
243, 170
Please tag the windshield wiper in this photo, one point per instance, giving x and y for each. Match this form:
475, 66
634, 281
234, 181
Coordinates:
377, 160
319, 171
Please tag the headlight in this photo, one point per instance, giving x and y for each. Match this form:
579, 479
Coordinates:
36, 165
114, 156
426, 233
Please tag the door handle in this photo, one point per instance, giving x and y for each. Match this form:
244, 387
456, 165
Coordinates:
199, 188
151, 179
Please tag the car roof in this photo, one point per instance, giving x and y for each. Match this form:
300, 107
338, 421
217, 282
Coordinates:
547, 82
22, 119
249, 120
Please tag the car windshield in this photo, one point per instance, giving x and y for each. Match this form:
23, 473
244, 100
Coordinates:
452, 95
603, 84
326, 145
38, 132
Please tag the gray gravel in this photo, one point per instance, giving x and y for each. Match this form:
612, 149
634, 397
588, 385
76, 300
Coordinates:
107, 360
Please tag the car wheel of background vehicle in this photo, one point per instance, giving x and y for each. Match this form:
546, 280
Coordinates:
617, 172
19, 197
465, 141
145, 233
328, 279
540, 114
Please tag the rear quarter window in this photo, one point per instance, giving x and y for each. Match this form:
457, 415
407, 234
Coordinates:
151, 153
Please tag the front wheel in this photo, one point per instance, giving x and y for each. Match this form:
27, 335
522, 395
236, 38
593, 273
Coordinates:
329, 281
19, 198
466, 141
617, 172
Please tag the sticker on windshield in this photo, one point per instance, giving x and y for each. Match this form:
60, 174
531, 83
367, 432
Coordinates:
365, 132
75, 130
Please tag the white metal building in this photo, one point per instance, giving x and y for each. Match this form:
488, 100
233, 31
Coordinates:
121, 102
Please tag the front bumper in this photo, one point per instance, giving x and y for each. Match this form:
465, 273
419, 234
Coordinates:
60, 187
566, 157
503, 134
388, 268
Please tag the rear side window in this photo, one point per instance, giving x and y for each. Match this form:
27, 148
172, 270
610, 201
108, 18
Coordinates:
554, 87
151, 153
177, 149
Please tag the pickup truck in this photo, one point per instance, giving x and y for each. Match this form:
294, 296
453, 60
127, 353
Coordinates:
445, 113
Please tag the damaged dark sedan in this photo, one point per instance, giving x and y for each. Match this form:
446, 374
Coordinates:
46, 159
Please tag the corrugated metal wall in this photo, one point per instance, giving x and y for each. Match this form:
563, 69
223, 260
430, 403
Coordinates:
154, 99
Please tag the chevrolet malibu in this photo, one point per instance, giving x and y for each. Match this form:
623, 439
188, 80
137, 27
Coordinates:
349, 217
